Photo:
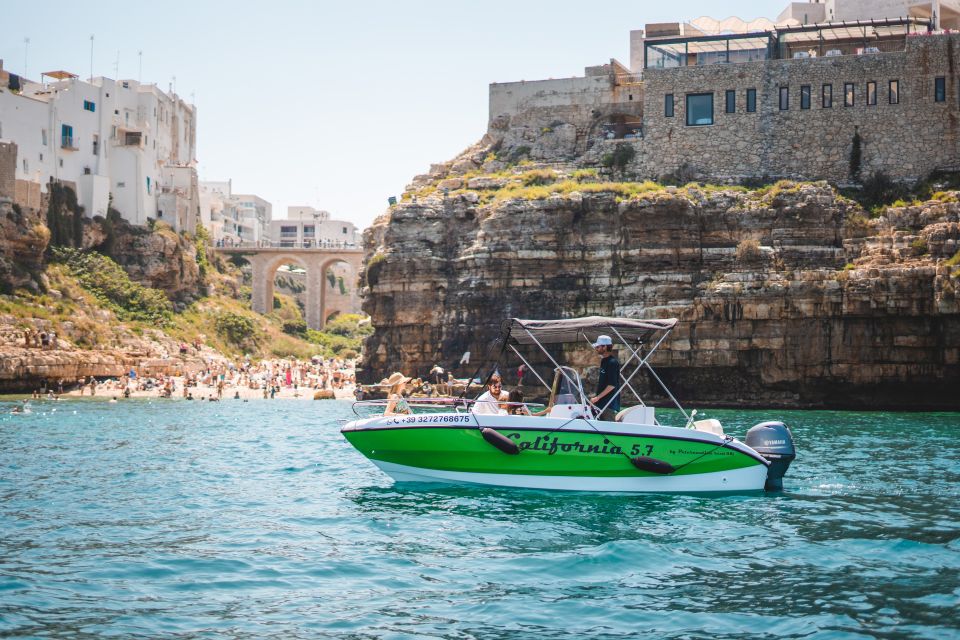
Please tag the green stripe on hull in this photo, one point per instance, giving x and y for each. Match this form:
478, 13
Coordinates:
561, 453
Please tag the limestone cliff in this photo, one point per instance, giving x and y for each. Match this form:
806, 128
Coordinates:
787, 295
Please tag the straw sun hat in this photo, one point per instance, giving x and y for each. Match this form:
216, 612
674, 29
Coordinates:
396, 378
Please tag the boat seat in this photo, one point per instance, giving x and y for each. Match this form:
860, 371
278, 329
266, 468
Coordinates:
710, 425
636, 415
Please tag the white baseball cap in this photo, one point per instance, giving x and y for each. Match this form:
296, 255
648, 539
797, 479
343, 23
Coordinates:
602, 341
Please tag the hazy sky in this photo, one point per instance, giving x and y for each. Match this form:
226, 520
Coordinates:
335, 106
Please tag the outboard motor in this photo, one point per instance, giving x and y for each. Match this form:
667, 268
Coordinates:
773, 441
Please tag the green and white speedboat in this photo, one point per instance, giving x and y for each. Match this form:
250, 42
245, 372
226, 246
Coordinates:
567, 448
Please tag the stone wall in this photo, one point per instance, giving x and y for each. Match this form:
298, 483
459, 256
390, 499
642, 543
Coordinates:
905, 140
560, 118
8, 169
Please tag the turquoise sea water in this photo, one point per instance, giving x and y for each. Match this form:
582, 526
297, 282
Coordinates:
256, 519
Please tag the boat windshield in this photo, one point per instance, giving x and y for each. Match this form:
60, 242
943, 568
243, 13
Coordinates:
566, 387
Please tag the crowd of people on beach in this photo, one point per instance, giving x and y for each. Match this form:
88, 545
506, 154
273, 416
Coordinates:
268, 379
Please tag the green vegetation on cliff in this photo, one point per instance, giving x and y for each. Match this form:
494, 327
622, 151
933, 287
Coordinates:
111, 285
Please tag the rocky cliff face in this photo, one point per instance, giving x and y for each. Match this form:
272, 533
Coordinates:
788, 295
160, 259
23, 239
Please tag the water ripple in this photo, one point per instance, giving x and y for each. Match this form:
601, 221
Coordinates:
146, 519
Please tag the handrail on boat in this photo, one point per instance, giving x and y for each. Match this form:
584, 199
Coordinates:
458, 404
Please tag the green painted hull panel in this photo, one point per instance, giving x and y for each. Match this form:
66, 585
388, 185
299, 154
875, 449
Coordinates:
560, 453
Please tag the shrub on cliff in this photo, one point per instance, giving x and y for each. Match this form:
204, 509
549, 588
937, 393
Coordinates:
620, 157
538, 177
748, 250
237, 329
374, 265
203, 241
111, 285
349, 325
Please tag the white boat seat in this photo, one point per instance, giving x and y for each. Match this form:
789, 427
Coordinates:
636, 415
710, 425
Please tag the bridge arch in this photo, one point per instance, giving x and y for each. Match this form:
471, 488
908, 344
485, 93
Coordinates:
322, 298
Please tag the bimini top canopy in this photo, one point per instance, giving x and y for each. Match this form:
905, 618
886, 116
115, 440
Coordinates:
516, 331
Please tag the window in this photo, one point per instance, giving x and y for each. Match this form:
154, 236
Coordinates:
784, 98
148, 185
344, 229
66, 136
43, 137
848, 94
89, 106
940, 89
731, 101
805, 96
699, 109
308, 230
668, 105
26, 167
96, 143
871, 94
826, 96
894, 92
751, 100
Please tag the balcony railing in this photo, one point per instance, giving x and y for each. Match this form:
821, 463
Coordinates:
66, 142
321, 245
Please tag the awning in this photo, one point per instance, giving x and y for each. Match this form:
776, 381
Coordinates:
59, 74
515, 330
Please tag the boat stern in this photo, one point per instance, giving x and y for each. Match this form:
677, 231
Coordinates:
774, 442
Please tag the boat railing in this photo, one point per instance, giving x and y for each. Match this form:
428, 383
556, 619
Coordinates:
434, 405
417, 405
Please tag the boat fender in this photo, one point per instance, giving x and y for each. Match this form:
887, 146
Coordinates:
500, 441
652, 465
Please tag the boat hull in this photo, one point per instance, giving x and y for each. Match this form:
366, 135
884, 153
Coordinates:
578, 455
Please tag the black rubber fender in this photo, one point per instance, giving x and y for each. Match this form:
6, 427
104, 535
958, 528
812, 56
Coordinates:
652, 465
500, 441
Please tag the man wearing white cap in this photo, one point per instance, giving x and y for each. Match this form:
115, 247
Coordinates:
608, 385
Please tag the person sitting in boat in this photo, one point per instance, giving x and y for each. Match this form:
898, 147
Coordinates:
396, 402
489, 403
516, 407
607, 397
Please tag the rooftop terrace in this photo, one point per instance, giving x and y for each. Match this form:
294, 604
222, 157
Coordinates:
784, 43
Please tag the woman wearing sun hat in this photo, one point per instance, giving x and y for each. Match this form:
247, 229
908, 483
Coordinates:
396, 403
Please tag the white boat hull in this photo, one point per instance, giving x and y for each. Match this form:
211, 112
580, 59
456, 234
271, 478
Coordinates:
736, 480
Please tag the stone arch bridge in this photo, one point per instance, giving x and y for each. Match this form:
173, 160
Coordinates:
322, 301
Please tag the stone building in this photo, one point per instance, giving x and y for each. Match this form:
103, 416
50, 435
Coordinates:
799, 117
734, 99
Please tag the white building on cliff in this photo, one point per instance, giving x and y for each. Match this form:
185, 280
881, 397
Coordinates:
309, 227
234, 218
109, 139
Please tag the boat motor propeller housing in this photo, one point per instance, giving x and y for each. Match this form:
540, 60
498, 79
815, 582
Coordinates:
774, 442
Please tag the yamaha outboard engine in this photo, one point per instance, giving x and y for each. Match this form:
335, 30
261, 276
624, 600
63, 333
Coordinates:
773, 441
